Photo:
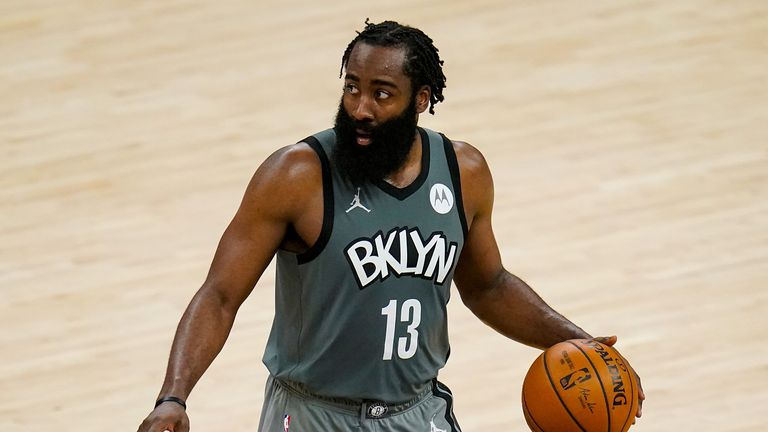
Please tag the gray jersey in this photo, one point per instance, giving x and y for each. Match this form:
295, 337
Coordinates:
362, 314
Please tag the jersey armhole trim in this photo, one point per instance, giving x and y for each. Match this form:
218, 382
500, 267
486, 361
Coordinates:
453, 167
325, 231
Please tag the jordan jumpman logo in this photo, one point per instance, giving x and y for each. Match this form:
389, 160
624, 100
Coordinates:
356, 203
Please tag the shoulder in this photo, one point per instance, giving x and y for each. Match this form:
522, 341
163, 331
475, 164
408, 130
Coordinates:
289, 165
476, 179
286, 179
471, 160
294, 161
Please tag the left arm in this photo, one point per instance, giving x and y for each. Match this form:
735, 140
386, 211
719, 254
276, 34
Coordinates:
497, 297
500, 299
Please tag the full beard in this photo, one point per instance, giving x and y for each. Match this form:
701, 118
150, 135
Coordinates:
391, 142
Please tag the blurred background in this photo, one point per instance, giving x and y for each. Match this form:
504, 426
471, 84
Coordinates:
628, 142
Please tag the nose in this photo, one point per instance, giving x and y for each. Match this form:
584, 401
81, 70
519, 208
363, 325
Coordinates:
362, 110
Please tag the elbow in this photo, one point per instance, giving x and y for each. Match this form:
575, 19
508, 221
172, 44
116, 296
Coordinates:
476, 294
212, 299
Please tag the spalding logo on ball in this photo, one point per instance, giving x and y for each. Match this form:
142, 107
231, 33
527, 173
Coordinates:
580, 385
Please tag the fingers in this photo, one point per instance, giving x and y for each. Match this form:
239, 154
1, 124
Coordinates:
640, 396
166, 418
640, 392
610, 341
607, 340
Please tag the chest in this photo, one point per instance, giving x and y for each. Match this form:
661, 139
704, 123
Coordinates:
377, 235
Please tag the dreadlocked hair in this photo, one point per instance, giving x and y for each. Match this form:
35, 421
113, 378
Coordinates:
422, 62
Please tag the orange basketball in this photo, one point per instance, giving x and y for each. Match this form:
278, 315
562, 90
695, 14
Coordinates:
582, 386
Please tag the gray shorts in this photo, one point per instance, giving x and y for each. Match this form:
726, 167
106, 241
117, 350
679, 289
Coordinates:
290, 407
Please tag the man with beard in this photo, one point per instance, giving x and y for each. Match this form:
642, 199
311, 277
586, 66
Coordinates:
370, 222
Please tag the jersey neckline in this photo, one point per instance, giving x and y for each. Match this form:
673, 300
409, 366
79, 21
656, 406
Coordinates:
403, 193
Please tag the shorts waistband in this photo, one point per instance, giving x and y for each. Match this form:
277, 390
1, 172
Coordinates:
367, 408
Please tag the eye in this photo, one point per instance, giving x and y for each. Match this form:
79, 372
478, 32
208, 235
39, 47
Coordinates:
381, 94
350, 88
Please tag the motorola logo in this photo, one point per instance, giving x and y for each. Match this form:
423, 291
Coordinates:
441, 198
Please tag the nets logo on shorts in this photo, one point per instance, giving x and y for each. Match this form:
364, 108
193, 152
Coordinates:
377, 409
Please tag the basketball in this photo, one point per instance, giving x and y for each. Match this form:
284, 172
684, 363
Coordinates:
580, 385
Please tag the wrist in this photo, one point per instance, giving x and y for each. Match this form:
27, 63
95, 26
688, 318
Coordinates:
173, 399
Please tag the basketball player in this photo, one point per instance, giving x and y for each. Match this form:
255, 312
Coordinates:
370, 222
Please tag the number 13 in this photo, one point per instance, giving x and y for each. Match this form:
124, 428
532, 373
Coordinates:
410, 311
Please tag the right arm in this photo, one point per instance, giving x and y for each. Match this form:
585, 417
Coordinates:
272, 202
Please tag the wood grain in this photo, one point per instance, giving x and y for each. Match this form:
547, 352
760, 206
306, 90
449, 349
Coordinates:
627, 139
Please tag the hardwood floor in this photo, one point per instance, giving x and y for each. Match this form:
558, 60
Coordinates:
627, 140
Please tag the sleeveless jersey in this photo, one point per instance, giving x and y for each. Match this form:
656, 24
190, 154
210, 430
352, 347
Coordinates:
362, 314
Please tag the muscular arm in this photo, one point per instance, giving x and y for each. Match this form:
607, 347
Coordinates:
272, 202
497, 297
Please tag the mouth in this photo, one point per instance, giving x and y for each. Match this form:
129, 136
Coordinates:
363, 137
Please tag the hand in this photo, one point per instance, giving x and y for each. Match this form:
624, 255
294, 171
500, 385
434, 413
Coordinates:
167, 417
610, 341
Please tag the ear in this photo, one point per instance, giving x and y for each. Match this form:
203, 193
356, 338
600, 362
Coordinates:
422, 99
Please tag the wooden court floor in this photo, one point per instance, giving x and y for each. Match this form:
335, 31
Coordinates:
628, 140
